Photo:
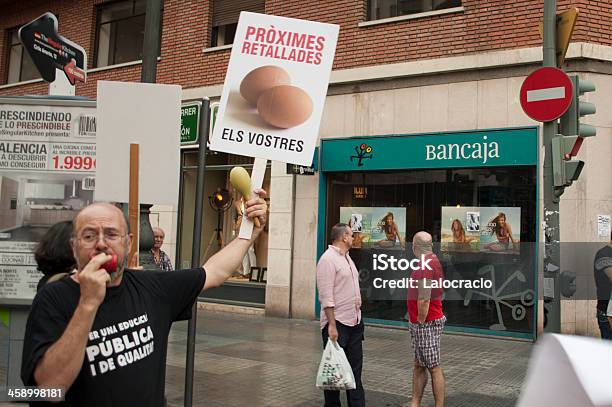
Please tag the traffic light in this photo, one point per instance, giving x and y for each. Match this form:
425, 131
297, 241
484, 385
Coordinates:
567, 144
564, 171
570, 121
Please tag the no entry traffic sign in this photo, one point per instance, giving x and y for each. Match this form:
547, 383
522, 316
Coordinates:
546, 94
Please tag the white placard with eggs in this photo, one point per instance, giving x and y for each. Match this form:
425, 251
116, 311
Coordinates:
275, 88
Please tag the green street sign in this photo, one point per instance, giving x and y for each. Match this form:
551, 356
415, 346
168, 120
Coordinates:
190, 120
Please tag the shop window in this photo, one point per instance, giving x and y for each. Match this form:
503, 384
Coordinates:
483, 223
379, 9
225, 19
221, 220
120, 32
20, 66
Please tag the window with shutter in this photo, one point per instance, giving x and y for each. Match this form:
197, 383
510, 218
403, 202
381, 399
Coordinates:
225, 18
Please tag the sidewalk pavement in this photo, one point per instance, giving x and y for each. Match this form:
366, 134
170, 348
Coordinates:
253, 361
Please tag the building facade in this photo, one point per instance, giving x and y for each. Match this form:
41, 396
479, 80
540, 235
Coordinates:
422, 121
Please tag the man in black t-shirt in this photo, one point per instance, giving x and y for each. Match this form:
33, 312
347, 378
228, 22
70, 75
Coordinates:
603, 281
103, 336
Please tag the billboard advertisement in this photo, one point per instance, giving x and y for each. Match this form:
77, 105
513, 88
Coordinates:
481, 229
376, 227
47, 168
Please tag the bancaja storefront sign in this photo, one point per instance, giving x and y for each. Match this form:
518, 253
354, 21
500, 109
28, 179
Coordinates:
498, 147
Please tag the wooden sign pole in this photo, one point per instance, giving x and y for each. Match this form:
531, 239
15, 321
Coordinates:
257, 177
133, 205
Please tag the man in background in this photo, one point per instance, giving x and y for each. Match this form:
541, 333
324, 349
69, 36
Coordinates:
340, 298
159, 256
603, 281
426, 321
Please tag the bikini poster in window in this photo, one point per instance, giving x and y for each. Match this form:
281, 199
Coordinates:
460, 229
500, 230
376, 227
389, 227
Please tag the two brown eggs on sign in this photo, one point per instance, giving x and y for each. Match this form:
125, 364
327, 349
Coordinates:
278, 102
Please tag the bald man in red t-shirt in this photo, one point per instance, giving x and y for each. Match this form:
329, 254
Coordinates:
426, 320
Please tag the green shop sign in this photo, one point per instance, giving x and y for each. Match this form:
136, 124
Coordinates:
190, 122
484, 148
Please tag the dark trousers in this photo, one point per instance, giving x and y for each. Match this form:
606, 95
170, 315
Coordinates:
350, 338
604, 325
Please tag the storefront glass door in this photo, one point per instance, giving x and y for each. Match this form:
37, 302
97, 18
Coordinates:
483, 221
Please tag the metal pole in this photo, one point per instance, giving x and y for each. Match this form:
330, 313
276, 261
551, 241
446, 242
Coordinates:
195, 249
551, 200
150, 46
293, 204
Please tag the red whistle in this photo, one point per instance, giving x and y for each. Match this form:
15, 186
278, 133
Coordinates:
111, 265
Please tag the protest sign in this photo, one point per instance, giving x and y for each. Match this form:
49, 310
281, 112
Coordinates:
148, 115
275, 88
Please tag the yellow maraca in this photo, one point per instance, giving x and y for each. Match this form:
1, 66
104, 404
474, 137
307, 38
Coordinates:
241, 181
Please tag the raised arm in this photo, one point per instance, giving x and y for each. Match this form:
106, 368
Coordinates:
62, 362
224, 263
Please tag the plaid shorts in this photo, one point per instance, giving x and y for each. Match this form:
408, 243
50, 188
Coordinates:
426, 342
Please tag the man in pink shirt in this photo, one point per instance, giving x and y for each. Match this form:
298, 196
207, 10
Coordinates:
340, 298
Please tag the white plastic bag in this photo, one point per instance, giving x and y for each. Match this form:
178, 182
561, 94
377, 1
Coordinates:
335, 372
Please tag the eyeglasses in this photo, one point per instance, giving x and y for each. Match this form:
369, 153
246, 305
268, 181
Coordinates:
90, 238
